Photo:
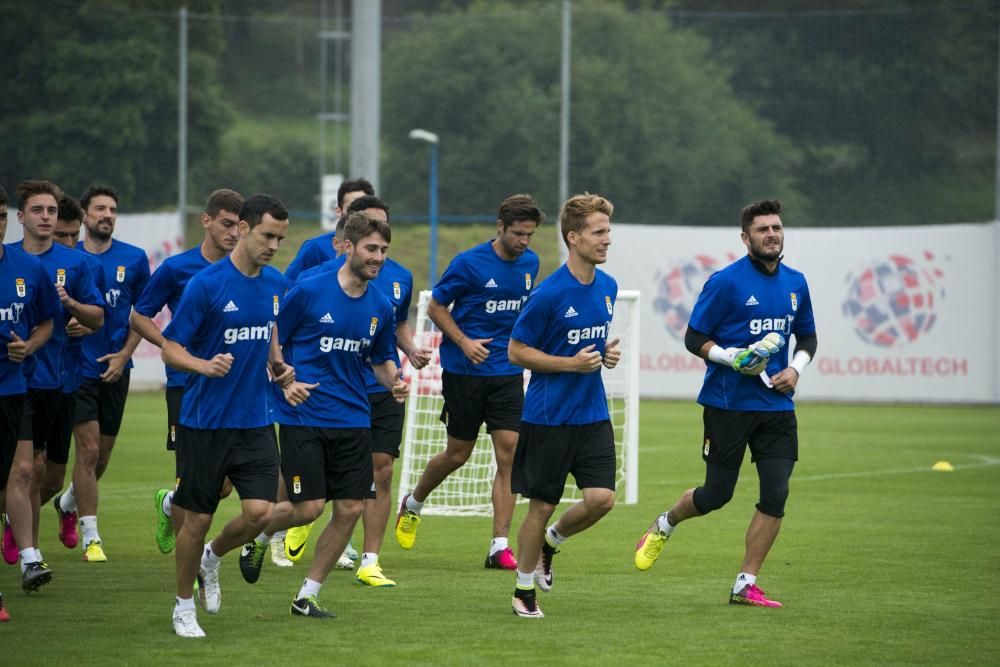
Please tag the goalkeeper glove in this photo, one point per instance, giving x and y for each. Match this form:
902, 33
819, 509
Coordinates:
753, 360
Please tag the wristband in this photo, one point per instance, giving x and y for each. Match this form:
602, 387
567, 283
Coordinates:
724, 357
800, 361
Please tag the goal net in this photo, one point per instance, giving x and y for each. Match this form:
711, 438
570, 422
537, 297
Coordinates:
467, 491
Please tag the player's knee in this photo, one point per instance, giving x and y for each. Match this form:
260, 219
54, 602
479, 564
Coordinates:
457, 456
22, 472
87, 451
774, 475
349, 509
599, 501
311, 510
772, 500
258, 514
712, 497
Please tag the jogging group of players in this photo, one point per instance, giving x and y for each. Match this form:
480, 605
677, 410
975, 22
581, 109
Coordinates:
315, 351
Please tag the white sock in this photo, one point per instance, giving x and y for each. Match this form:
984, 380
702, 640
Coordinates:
185, 604
168, 503
88, 526
279, 536
28, 556
209, 560
553, 537
498, 544
368, 558
664, 524
526, 581
743, 581
309, 587
67, 501
413, 504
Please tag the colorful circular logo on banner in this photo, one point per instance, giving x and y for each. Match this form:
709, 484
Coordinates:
677, 288
892, 300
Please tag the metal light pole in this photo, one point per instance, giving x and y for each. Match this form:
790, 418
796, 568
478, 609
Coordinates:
432, 139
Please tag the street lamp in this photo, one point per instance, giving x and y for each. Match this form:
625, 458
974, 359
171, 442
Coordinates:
432, 139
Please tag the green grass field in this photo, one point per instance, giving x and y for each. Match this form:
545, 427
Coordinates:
880, 560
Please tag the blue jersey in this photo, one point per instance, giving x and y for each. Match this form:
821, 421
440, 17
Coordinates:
125, 268
395, 282
72, 361
165, 288
223, 311
335, 337
69, 269
486, 294
313, 252
738, 306
561, 317
27, 298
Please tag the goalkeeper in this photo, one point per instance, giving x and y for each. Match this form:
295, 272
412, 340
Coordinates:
739, 325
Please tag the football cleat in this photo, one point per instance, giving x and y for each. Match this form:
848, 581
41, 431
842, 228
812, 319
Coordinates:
67, 526
501, 560
295, 541
164, 529
186, 623
309, 606
351, 552
4, 614
10, 551
371, 575
35, 575
753, 597
648, 549
278, 554
525, 604
406, 525
94, 553
543, 571
344, 562
209, 590
252, 560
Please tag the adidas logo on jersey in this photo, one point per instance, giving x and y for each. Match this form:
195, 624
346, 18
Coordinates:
230, 308
752, 301
491, 283
326, 319
571, 312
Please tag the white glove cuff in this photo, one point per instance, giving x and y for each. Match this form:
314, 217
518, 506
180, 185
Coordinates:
724, 357
800, 361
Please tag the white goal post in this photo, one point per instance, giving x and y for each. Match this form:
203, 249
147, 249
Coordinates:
467, 491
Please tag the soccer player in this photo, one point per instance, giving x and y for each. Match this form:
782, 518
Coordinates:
387, 414
561, 337
485, 287
323, 248
220, 222
746, 405
222, 336
47, 424
27, 323
336, 326
99, 404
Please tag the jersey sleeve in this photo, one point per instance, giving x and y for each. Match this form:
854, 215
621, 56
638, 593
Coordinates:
48, 305
805, 324
403, 311
531, 323
157, 292
290, 313
192, 309
384, 343
84, 288
710, 309
452, 283
304, 259
141, 274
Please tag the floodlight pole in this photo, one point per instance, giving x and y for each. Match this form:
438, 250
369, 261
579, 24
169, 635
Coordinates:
182, 116
432, 139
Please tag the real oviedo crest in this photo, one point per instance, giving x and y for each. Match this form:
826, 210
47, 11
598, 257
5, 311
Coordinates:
374, 325
120, 274
607, 302
275, 304
21, 287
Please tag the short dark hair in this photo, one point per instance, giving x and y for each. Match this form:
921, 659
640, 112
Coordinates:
359, 225
354, 185
763, 207
223, 199
25, 190
3, 196
366, 202
95, 191
257, 205
69, 209
519, 208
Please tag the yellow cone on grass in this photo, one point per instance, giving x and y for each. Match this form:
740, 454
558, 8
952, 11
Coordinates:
943, 466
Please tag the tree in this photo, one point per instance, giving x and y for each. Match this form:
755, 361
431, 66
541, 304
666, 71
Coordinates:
655, 124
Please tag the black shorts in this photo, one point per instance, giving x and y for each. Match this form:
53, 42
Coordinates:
547, 455
470, 400
771, 435
48, 422
387, 423
248, 456
11, 410
103, 402
327, 463
173, 396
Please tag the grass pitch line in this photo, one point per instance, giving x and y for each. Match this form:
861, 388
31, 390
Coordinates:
984, 461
